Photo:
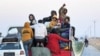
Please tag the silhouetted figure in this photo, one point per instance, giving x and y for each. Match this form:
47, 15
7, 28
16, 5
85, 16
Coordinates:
86, 42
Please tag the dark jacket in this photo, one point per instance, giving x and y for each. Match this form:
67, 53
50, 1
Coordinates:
32, 22
47, 19
65, 25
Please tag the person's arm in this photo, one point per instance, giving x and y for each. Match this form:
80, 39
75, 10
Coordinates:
61, 9
68, 26
32, 33
62, 39
45, 31
51, 24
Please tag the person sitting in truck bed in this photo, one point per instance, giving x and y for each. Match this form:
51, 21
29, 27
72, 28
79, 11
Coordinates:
53, 42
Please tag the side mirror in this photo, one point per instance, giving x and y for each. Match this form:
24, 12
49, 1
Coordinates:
13, 31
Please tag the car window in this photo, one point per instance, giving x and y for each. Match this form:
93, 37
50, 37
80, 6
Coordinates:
8, 46
13, 31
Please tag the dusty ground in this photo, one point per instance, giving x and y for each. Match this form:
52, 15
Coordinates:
95, 42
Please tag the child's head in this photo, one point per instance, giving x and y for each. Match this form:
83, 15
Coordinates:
67, 19
54, 18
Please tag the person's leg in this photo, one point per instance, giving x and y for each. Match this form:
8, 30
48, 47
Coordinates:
42, 42
29, 47
26, 48
62, 44
34, 43
30, 43
65, 36
45, 41
37, 42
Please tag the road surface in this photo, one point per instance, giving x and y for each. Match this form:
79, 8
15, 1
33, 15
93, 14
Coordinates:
91, 51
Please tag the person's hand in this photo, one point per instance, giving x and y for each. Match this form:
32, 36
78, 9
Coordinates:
70, 41
64, 4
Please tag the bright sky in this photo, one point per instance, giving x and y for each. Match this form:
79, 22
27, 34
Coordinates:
82, 13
